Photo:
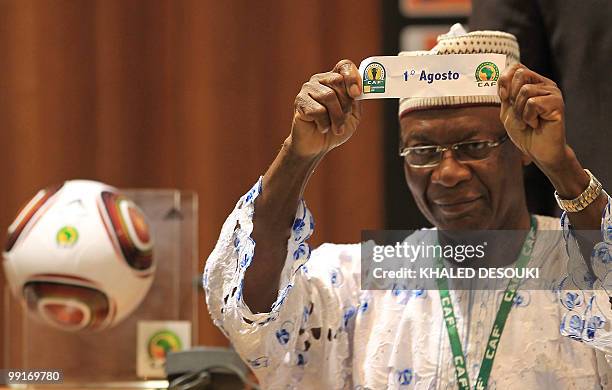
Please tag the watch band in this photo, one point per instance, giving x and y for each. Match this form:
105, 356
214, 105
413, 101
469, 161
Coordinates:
583, 200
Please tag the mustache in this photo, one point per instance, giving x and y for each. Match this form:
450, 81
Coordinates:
439, 194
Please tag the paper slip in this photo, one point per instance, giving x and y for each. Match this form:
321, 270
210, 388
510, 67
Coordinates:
431, 75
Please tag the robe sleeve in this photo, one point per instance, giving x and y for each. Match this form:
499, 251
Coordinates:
584, 292
306, 327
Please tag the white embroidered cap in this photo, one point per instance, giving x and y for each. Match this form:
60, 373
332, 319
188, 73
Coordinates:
458, 41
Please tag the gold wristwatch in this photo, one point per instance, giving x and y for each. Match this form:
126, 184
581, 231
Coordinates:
583, 200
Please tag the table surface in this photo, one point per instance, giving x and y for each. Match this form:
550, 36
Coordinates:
140, 385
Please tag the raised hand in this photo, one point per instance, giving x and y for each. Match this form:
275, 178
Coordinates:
326, 114
532, 112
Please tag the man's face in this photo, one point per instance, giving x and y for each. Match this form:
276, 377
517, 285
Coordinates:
484, 194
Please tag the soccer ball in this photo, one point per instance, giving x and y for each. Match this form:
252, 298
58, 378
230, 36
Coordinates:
79, 256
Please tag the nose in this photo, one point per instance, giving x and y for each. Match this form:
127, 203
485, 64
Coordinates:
450, 172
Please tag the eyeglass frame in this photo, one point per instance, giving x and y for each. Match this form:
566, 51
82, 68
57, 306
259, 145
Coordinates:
441, 149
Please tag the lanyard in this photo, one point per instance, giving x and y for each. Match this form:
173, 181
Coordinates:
461, 373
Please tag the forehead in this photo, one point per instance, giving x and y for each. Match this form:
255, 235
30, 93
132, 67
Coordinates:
448, 125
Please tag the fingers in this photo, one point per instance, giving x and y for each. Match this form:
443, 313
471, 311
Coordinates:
529, 97
356, 110
514, 77
352, 79
509, 118
503, 85
319, 103
525, 97
327, 99
522, 76
329, 90
309, 110
546, 107
336, 82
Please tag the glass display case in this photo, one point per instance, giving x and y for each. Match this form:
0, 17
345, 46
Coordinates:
108, 357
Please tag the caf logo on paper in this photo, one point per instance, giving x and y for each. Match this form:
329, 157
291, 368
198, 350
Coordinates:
374, 77
487, 74
161, 343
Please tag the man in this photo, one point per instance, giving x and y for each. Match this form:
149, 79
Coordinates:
464, 168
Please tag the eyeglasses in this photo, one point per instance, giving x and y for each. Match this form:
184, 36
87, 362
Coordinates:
431, 155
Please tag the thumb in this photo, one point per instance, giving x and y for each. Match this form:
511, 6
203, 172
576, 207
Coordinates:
509, 119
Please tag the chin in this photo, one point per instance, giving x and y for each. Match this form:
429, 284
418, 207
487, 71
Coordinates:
472, 221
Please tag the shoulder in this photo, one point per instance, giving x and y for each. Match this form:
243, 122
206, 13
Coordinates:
329, 257
337, 250
548, 223
549, 253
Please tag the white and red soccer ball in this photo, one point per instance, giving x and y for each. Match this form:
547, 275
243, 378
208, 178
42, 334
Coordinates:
80, 256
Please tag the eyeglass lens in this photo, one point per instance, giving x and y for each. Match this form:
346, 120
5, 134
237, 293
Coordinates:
469, 151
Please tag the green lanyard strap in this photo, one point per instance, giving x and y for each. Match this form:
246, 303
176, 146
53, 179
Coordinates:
461, 373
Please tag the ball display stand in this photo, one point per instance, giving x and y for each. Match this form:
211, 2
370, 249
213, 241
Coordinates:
107, 358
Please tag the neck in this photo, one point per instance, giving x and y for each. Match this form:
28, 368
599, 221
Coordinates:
503, 245
520, 221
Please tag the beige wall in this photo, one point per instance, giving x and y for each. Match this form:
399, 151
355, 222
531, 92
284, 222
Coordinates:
184, 94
